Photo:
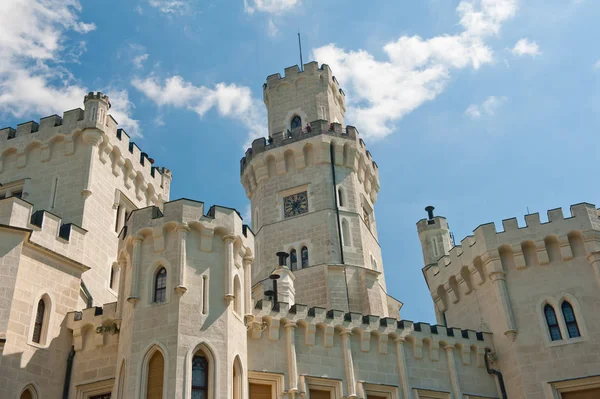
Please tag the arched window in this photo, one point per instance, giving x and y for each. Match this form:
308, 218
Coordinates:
552, 323
156, 371
114, 277
199, 376
121, 386
237, 378
39, 322
293, 260
296, 122
569, 315
304, 255
29, 393
160, 286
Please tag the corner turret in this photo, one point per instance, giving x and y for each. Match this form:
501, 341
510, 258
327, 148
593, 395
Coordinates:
434, 235
96, 106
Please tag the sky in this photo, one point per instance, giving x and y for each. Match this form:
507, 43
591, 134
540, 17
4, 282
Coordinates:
486, 109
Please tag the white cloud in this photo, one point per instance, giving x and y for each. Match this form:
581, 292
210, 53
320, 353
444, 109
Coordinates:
229, 100
170, 6
269, 6
121, 108
526, 47
138, 61
597, 65
272, 28
34, 51
489, 107
417, 70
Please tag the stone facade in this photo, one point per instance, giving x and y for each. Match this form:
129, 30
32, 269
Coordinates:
108, 289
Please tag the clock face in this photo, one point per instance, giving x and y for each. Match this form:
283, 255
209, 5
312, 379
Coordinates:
295, 204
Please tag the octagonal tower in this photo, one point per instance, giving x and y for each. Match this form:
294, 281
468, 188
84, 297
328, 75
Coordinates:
313, 186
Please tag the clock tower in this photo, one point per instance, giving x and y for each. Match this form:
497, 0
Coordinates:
313, 185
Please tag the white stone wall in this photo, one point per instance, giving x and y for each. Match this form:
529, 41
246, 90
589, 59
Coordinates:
23, 362
562, 266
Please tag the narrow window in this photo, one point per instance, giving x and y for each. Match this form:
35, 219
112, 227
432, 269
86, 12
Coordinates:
296, 122
117, 219
570, 320
237, 295
346, 240
304, 255
199, 376
340, 197
111, 283
54, 190
204, 294
293, 260
160, 286
552, 323
39, 322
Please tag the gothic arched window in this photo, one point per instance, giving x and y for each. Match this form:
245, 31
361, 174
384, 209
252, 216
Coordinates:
160, 286
39, 322
552, 323
296, 122
304, 255
199, 376
569, 315
293, 260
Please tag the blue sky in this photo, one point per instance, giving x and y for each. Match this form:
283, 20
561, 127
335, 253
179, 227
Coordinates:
482, 108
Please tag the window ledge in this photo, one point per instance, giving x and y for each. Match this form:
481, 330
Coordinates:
36, 345
567, 341
157, 304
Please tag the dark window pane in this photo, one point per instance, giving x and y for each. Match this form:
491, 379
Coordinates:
160, 286
569, 316
304, 254
293, 260
296, 122
552, 323
39, 322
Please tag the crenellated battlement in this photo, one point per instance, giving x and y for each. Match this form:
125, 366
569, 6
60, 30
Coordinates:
470, 263
310, 146
187, 214
310, 70
47, 229
115, 149
93, 324
96, 96
269, 318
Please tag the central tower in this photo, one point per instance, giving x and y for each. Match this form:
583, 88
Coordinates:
313, 186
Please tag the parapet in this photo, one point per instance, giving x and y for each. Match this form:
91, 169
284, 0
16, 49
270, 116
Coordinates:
96, 96
47, 229
115, 145
559, 239
187, 214
100, 321
350, 150
419, 335
311, 69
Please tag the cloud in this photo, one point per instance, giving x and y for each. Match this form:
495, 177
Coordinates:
269, 6
121, 108
229, 100
417, 70
597, 65
526, 47
488, 108
34, 52
170, 6
272, 28
139, 60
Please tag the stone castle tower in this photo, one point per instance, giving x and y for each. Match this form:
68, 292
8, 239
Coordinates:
313, 186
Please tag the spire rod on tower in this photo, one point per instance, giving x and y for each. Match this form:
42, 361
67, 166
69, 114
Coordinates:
300, 46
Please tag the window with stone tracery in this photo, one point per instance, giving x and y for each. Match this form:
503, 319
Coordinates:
160, 286
366, 218
570, 321
552, 322
199, 377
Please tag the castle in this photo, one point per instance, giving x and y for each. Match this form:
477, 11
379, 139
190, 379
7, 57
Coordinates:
109, 289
